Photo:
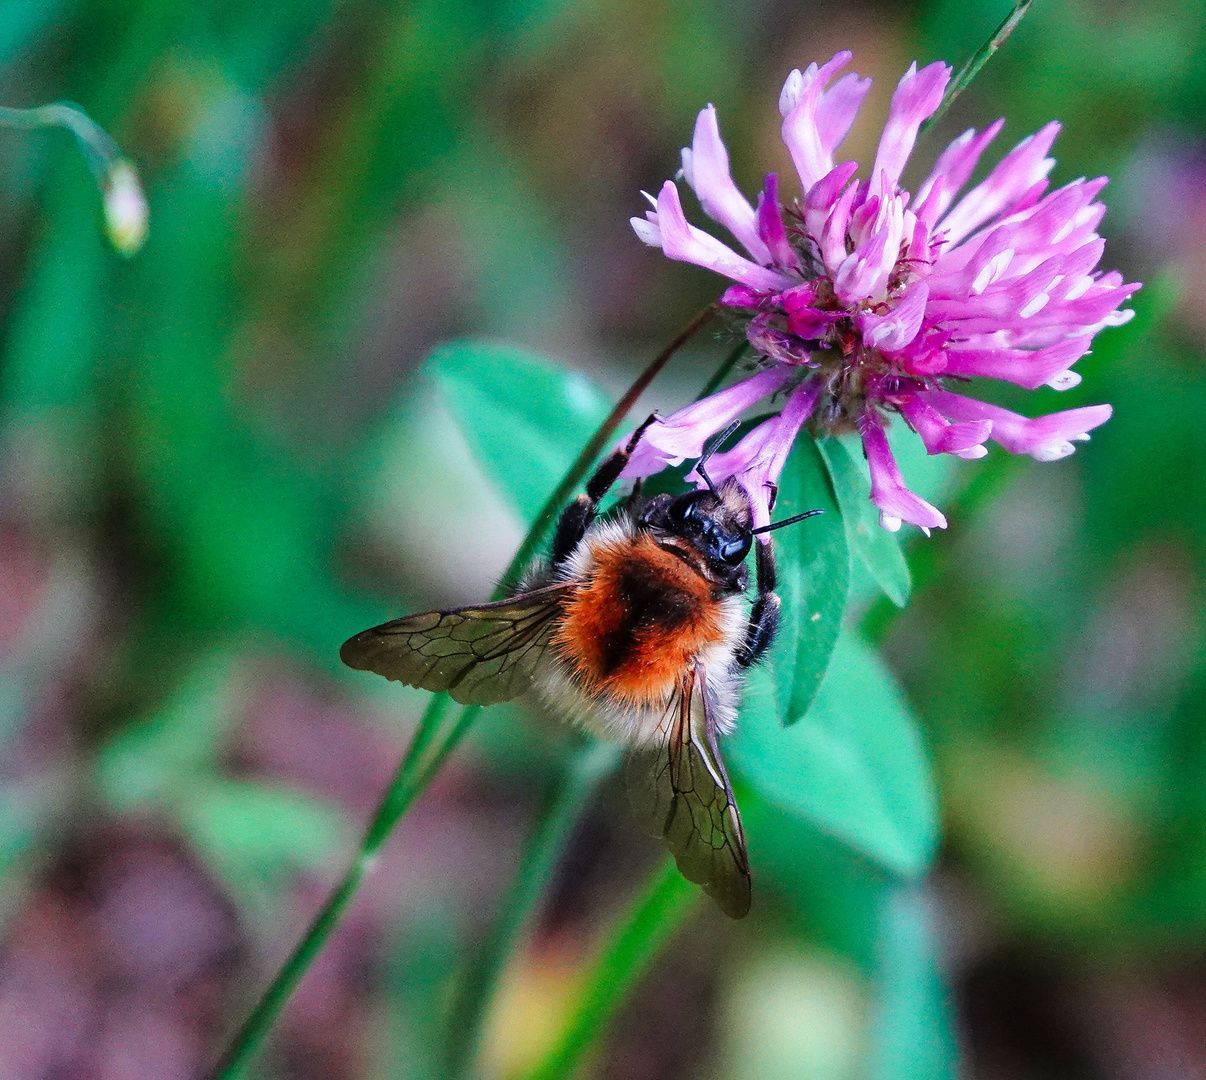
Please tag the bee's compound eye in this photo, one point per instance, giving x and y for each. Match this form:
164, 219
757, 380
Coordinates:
684, 510
735, 550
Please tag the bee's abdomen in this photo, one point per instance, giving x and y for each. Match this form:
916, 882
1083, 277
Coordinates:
639, 620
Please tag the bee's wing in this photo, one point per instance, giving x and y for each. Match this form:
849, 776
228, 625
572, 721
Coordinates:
480, 655
695, 808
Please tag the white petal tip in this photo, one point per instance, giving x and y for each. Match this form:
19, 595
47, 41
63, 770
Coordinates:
650, 199
647, 232
972, 453
1053, 451
1065, 380
686, 172
790, 94
924, 530
892, 524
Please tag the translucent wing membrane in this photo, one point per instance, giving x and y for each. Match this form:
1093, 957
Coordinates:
480, 655
693, 805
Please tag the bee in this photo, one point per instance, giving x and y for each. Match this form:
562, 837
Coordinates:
636, 627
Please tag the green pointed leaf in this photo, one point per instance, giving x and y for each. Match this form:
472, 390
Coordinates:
877, 549
854, 765
814, 577
524, 419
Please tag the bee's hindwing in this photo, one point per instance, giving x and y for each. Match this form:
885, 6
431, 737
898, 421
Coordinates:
480, 655
695, 810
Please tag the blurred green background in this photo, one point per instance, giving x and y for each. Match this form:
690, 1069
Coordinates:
224, 456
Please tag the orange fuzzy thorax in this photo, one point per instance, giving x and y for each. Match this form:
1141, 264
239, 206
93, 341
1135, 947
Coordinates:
638, 622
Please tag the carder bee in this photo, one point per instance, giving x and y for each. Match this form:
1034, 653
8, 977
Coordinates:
636, 627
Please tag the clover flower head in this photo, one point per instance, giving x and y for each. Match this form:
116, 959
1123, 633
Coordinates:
865, 302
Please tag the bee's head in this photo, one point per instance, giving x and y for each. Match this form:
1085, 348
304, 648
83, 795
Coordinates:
717, 524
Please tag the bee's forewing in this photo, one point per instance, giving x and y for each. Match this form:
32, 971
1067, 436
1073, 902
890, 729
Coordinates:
480, 655
692, 805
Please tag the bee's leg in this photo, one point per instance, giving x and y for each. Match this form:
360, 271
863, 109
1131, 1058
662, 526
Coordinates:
576, 518
764, 615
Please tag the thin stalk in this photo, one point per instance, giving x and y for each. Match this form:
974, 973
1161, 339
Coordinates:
426, 752
541, 857
978, 59
588, 767
97, 145
652, 919
722, 372
591, 451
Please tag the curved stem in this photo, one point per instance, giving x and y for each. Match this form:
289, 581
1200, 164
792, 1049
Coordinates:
97, 145
591, 451
654, 916
589, 766
428, 749
721, 373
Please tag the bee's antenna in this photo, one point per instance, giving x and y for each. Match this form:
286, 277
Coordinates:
714, 444
786, 521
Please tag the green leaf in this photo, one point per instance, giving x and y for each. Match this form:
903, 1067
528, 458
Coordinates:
854, 765
524, 419
912, 1036
814, 577
878, 549
256, 837
144, 763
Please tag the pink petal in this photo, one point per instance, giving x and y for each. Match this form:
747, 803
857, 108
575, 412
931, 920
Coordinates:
837, 109
951, 171
917, 95
1015, 175
864, 272
940, 437
896, 502
893, 331
757, 461
800, 131
706, 168
832, 240
1027, 368
682, 241
771, 230
1045, 438
820, 201
682, 434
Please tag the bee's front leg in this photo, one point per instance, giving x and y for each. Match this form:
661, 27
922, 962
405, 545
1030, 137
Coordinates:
764, 615
576, 518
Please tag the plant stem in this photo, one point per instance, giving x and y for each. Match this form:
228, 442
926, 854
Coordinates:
721, 373
97, 145
426, 753
651, 920
591, 450
978, 59
588, 767
543, 853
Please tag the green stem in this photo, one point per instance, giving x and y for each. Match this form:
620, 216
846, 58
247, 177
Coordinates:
543, 853
721, 373
981, 57
624, 959
591, 451
426, 752
589, 766
97, 145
